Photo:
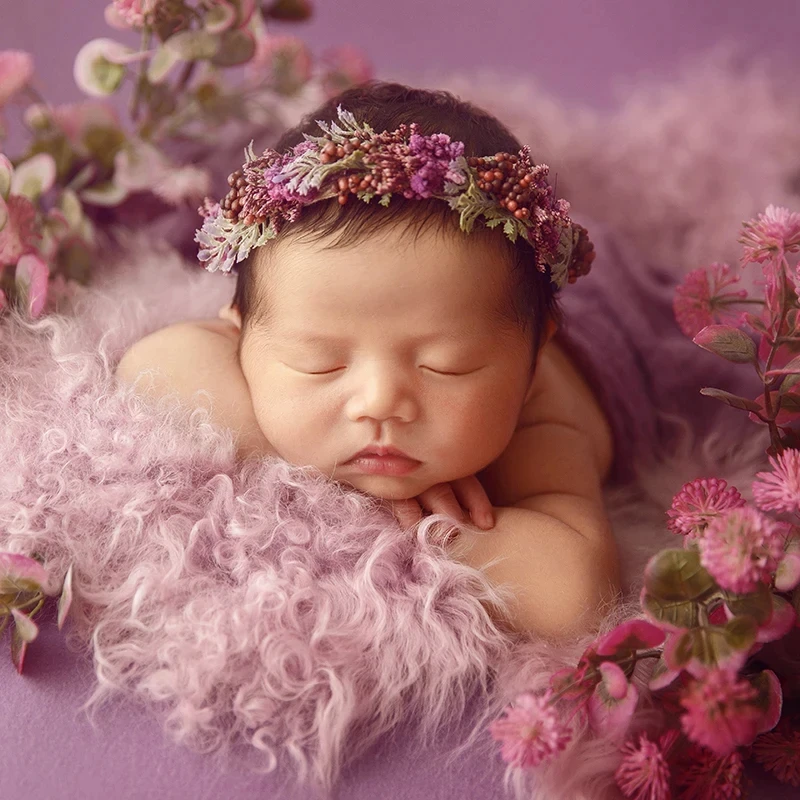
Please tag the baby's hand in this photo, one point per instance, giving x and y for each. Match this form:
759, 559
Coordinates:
448, 498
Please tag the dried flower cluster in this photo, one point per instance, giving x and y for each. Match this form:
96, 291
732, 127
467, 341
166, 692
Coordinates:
351, 159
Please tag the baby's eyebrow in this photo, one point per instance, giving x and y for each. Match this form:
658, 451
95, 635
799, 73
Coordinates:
316, 338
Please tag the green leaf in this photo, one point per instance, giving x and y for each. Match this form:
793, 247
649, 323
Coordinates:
161, 64
193, 45
677, 575
675, 584
728, 342
789, 402
732, 399
788, 382
235, 47
757, 604
712, 645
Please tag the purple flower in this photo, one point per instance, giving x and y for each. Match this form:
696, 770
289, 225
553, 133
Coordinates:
431, 159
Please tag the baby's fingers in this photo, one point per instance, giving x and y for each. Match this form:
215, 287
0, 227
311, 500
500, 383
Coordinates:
472, 496
407, 512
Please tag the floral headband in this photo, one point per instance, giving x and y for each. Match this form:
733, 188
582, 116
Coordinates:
351, 159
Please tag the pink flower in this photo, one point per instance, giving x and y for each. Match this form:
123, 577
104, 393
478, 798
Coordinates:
779, 752
775, 232
134, 12
644, 772
344, 66
187, 184
705, 776
720, 712
531, 732
31, 280
18, 235
284, 62
699, 300
779, 490
16, 69
613, 702
700, 502
742, 548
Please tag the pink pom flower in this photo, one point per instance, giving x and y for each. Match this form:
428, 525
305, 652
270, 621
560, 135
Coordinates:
775, 232
707, 777
698, 503
644, 773
134, 12
742, 548
720, 712
18, 236
531, 731
779, 490
779, 753
16, 69
699, 300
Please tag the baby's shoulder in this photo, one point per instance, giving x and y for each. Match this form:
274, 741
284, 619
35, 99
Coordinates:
197, 361
563, 395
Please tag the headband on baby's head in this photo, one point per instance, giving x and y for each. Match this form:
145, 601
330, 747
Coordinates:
351, 159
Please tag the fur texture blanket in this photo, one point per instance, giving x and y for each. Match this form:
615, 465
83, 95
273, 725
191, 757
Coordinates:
266, 614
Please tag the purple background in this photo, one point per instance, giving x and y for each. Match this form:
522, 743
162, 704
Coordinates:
585, 51
578, 49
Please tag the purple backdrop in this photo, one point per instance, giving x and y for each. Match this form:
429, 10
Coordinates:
580, 49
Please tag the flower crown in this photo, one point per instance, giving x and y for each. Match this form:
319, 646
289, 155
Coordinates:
351, 159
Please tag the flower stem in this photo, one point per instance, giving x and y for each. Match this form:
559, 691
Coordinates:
142, 77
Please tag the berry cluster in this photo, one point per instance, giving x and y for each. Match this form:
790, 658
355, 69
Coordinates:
509, 179
583, 254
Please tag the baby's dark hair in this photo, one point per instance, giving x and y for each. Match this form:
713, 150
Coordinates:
532, 297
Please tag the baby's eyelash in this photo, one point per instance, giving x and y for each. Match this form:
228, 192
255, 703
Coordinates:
430, 369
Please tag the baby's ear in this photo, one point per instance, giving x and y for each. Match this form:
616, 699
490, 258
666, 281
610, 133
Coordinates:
231, 314
549, 329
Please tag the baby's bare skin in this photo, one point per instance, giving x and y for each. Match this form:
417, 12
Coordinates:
202, 355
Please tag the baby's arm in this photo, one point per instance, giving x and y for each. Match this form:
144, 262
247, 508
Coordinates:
200, 365
552, 538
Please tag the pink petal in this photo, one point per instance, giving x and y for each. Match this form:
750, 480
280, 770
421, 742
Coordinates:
663, 679
16, 69
6, 174
99, 66
32, 278
34, 177
616, 683
113, 18
21, 570
773, 712
788, 573
3, 213
612, 719
65, 600
220, 17
28, 629
780, 623
636, 634
18, 649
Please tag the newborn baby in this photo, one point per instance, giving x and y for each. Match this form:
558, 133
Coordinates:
393, 329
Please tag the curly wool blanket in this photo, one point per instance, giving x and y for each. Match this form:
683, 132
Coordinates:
262, 612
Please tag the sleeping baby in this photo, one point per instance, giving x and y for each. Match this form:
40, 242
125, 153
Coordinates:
405, 346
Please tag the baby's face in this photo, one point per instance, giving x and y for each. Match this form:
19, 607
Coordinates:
357, 349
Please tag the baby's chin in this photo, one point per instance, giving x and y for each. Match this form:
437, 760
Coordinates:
387, 487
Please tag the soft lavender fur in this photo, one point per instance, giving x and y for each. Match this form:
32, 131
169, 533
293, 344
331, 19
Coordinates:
262, 611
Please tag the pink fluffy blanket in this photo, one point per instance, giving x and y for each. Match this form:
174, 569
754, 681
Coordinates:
260, 610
